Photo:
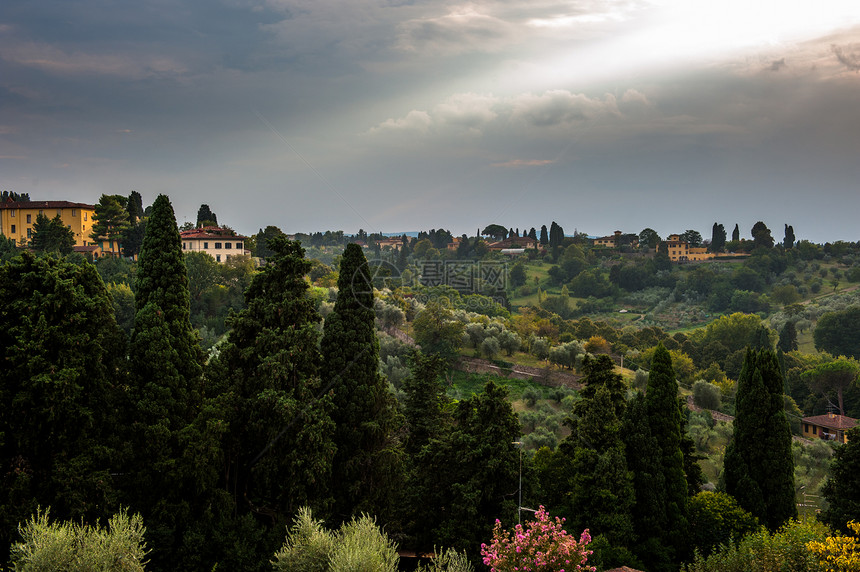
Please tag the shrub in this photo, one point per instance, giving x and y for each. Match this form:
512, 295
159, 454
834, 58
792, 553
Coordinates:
71, 547
542, 545
706, 395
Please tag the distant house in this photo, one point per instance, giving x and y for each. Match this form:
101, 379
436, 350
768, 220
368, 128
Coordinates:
394, 243
616, 239
831, 427
681, 251
515, 243
455, 243
17, 219
219, 243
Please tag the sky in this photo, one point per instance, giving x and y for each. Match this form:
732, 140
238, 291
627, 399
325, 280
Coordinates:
399, 115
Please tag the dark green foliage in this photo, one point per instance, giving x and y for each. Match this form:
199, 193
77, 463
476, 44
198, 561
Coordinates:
759, 468
495, 231
842, 489
788, 241
425, 401
717, 519
162, 476
7, 248
437, 332
718, 238
110, 219
60, 382
736, 234
648, 512
692, 238
664, 420
837, 333
162, 280
134, 207
544, 237
51, 235
601, 494
265, 407
761, 235
367, 466
14, 197
132, 238
649, 238
468, 477
205, 217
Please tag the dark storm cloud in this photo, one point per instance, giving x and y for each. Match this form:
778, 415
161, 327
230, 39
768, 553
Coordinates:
849, 56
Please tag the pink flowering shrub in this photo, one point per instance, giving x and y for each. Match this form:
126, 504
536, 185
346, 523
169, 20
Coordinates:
542, 545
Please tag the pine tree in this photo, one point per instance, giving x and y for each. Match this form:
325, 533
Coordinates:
110, 219
63, 370
51, 235
366, 466
759, 467
205, 217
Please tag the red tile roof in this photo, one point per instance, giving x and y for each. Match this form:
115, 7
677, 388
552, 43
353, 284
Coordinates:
831, 421
210, 232
44, 205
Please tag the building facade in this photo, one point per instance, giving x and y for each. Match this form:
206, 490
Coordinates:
831, 427
17, 219
219, 243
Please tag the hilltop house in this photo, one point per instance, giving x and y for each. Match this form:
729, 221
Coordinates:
515, 243
17, 219
219, 243
616, 239
831, 427
681, 251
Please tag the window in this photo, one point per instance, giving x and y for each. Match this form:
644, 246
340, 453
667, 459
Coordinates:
814, 430
29, 219
41, 212
228, 245
217, 246
29, 233
13, 229
74, 212
184, 246
85, 216
206, 246
13, 213
239, 245
217, 256
60, 212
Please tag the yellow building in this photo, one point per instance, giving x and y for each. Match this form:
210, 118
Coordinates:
681, 251
17, 219
831, 427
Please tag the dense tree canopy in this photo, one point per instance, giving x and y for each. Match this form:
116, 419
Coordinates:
837, 332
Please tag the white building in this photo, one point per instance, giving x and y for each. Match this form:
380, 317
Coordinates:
219, 243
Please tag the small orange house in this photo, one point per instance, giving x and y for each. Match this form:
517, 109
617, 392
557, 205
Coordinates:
831, 427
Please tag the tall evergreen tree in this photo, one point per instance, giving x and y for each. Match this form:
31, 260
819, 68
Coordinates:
60, 383
533, 234
544, 237
166, 362
664, 419
367, 465
736, 233
205, 217
135, 207
759, 467
718, 238
265, 390
601, 494
788, 337
788, 241
761, 235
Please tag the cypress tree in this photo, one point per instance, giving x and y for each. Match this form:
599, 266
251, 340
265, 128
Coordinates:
759, 467
842, 489
166, 362
366, 466
736, 233
601, 493
664, 420
788, 241
544, 237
